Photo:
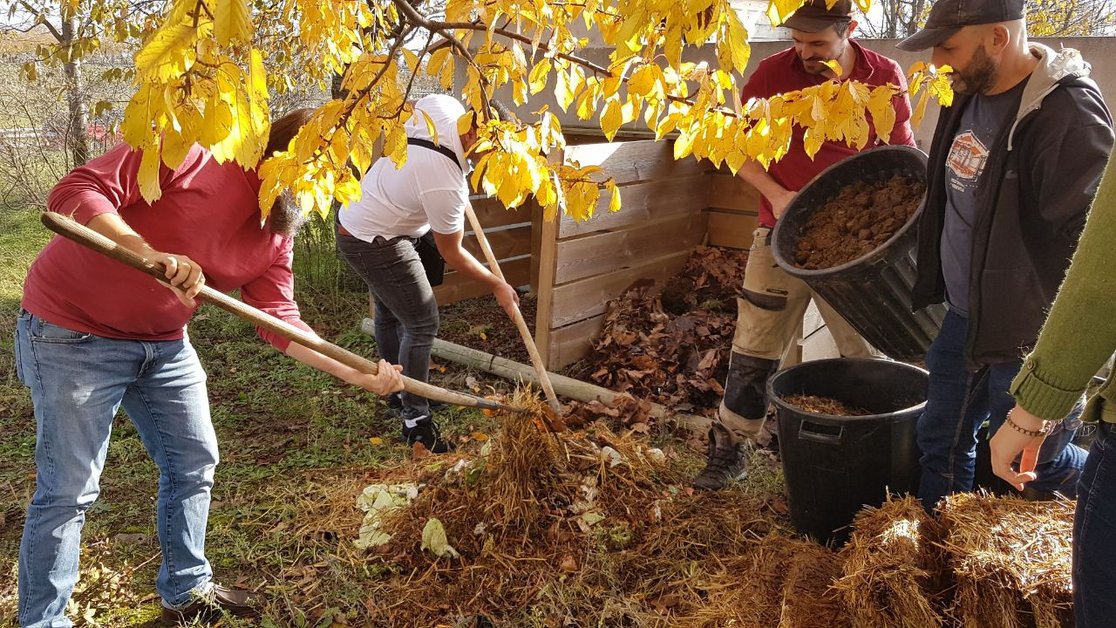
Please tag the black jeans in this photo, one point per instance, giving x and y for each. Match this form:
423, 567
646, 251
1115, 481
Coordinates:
406, 312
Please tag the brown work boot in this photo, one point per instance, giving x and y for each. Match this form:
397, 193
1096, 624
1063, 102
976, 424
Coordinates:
219, 602
727, 459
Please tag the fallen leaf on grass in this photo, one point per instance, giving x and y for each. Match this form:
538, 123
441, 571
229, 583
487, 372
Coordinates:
434, 539
568, 564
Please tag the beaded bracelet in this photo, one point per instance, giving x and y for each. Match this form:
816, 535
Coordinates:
1046, 427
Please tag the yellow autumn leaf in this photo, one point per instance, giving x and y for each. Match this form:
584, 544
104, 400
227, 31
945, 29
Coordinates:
411, 59
562, 91
169, 53
217, 121
779, 10
232, 22
446, 78
430, 128
465, 122
148, 174
538, 76
642, 80
175, 148
395, 145
436, 60
611, 118
881, 106
614, 200
834, 67
258, 112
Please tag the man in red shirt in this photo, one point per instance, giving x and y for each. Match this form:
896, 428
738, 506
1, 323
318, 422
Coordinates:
773, 302
94, 335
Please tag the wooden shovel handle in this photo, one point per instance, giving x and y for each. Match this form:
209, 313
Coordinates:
73, 230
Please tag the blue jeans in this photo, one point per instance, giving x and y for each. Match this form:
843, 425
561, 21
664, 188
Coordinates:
77, 382
958, 401
406, 311
1094, 528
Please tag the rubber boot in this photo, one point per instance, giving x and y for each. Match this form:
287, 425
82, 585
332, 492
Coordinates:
741, 417
727, 459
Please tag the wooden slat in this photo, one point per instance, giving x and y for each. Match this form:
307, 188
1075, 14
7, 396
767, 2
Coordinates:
571, 343
505, 243
729, 192
455, 288
545, 264
609, 250
641, 202
731, 229
642, 160
585, 298
491, 213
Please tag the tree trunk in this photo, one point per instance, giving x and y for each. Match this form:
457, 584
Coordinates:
78, 124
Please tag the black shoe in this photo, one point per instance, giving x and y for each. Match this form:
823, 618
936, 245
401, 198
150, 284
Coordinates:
727, 460
395, 404
426, 432
219, 602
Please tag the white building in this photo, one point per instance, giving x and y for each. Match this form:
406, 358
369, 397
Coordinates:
753, 13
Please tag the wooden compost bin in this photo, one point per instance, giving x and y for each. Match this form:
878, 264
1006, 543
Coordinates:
509, 235
669, 208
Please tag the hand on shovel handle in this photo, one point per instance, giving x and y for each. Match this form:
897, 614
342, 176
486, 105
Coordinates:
75, 231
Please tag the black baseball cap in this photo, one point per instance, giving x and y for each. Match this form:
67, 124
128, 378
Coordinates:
814, 16
948, 16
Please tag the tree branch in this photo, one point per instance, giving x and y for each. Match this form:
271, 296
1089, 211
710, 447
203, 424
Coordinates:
41, 19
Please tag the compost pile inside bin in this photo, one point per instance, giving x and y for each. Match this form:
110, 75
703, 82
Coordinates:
815, 404
862, 216
671, 347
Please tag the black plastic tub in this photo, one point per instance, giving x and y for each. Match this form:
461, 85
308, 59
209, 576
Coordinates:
873, 292
835, 465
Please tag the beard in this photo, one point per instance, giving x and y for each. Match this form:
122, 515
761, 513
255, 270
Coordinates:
285, 218
978, 77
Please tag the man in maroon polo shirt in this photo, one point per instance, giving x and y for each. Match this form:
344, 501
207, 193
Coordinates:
772, 302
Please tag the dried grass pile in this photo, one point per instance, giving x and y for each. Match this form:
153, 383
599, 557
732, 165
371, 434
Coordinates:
892, 567
784, 582
592, 528
1010, 559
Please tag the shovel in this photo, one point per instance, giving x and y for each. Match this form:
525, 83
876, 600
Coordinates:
73, 230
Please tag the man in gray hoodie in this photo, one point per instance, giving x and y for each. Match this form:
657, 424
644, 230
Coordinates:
1013, 167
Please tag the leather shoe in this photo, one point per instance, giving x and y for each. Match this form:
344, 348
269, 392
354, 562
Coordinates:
219, 602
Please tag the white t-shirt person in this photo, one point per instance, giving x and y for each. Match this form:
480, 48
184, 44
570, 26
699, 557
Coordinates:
428, 192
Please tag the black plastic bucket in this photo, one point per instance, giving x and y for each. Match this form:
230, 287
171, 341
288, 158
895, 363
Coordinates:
873, 292
834, 465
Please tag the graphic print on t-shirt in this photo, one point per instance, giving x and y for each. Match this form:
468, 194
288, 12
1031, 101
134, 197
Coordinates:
966, 160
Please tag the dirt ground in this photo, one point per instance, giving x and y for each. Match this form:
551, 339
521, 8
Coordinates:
481, 324
858, 220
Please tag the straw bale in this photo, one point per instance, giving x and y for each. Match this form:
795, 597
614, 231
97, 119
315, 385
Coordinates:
1010, 559
782, 581
891, 567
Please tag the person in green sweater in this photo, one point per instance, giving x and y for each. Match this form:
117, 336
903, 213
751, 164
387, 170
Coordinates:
1079, 336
